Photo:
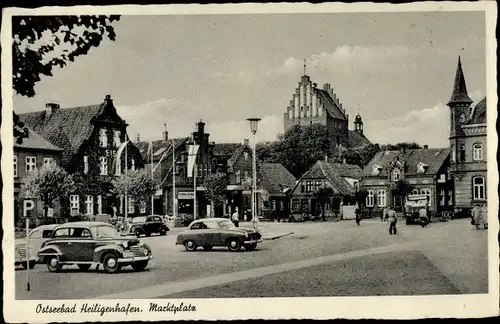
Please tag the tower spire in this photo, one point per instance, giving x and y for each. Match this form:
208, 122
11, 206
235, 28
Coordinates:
304, 66
459, 88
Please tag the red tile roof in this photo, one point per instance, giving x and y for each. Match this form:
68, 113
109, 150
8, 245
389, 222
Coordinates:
36, 142
330, 105
274, 177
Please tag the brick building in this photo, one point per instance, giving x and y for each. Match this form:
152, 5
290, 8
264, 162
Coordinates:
30, 154
90, 137
468, 145
312, 105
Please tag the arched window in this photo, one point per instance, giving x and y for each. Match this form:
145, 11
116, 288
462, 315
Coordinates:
479, 188
477, 152
453, 153
414, 192
396, 175
462, 153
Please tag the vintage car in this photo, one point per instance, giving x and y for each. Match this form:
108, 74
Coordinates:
210, 232
146, 225
36, 237
88, 243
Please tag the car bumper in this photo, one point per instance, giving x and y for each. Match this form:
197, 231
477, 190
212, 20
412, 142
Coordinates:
252, 241
135, 259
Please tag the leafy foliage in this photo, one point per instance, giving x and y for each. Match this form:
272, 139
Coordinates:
20, 132
43, 42
356, 156
323, 195
136, 184
400, 146
216, 185
402, 188
48, 183
360, 197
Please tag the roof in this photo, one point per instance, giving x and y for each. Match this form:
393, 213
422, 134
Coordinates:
459, 87
330, 105
225, 149
68, 128
336, 174
36, 142
479, 113
83, 224
357, 140
159, 148
274, 177
432, 157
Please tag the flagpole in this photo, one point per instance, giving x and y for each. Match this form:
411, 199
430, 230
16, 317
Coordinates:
126, 187
174, 209
152, 177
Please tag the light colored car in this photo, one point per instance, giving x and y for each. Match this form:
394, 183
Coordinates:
210, 232
36, 237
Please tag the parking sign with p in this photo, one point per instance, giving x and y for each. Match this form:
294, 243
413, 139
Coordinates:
29, 207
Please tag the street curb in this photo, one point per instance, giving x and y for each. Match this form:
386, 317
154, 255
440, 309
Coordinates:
270, 238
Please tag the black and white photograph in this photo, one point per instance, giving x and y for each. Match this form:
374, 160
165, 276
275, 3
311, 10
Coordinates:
232, 162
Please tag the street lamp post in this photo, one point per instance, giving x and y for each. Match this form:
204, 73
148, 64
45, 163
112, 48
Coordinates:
193, 151
253, 128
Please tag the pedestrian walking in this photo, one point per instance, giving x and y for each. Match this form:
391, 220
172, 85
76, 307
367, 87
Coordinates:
358, 217
423, 218
391, 213
484, 215
477, 216
236, 218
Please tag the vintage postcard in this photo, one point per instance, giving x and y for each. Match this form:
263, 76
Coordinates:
273, 161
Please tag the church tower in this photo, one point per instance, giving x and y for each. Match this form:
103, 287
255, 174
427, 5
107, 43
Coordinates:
459, 103
358, 124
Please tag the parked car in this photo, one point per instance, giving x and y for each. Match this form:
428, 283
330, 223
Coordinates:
88, 243
146, 225
210, 232
36, 237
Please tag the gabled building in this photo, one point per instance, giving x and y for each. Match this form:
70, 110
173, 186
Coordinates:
275, 183
425, 169
312, 105
342, 178
90, 137
468, 146
30, 154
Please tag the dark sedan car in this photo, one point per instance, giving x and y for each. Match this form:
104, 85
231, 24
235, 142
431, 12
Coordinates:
210, 232
147, 225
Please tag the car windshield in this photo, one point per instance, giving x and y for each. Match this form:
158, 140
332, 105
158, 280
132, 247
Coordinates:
136, 220
104, 231
226, 224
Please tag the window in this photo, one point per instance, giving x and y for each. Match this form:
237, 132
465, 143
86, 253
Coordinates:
442, 198
247, 178
477, 152
427, 192
118, 167
74, 202
15, 166
99, 204
245, 156
131, 206
35, 235
116, 138
30, 163
209, 169
462, 153
205, 170
89, 205
479, 192
414, 192
238, 176
197, 226
381, 201
295, 204
104, 165
453, 153
103, 138
396, 175
142, 207
200, 171
48, 161
63, 232
450, 197
85, 164
369, 199
132, 165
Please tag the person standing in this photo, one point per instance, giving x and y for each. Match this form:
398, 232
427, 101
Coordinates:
236, 218
423, 216
476, 216
391, 213
484, 215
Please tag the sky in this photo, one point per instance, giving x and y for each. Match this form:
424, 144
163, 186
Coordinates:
396, 69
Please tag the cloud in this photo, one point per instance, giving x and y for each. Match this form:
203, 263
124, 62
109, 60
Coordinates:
236, 131
429, 126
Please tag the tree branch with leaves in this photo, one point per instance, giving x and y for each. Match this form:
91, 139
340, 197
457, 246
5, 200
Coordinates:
136, 185
403, 189
216, 186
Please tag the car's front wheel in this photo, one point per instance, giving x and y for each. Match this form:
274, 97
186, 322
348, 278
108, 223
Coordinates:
84, 267
233, 244
190, 245
139, 265
163, 231
110, 263
53, 264
138, 232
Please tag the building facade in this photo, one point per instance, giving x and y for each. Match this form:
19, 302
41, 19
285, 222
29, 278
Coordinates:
312, 105
468, 146
32, 153
96, 150
275, 183
426, 170
342, 178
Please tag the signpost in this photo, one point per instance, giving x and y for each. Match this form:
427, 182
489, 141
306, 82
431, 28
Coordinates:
29, 208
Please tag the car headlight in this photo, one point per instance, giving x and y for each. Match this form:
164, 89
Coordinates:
125, 244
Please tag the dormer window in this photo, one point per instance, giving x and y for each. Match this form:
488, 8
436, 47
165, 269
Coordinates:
245, 156
376, 169
422, 167
103, 138
396, 175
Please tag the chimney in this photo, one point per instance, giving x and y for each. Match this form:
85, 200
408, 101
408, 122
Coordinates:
50, 108
426, 146
138, 138
327, 87
165, 133
246, 142
108, 99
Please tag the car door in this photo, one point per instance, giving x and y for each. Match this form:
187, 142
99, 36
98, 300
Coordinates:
80, 245
197, 233
212, 234
61, 240
149, 225
157, 223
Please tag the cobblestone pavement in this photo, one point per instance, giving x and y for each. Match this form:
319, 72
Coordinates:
441, 258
